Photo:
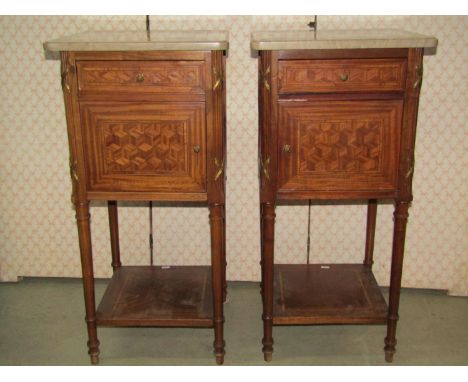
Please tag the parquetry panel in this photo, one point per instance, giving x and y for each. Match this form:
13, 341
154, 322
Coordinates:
128, 145
339, 145
144, 147
342, 145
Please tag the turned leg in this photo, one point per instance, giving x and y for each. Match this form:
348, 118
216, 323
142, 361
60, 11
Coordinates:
401, 217
261, 248
216, 227
84, 234
224, 260
370, 232
268, 217
114, 233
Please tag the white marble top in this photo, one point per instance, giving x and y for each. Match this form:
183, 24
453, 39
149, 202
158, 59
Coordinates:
139, 40
340, 39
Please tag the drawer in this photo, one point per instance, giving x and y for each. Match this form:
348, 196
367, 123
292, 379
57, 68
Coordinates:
339, 145
144, 147
106, 79
352, 75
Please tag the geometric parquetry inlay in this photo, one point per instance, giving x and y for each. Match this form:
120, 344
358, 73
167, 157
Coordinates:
144, 147
340, 145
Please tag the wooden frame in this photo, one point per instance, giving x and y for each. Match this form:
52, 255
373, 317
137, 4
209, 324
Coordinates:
275, 282
212, 150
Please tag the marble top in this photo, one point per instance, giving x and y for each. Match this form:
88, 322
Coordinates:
139, 40
340, 39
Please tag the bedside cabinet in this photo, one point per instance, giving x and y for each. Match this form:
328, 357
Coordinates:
146, 121
337, 121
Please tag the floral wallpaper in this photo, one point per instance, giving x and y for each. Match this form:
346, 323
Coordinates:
38, 236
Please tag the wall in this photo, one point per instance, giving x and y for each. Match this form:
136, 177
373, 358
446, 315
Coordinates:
37, 230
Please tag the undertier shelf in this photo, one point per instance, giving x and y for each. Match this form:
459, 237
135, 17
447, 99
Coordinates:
178, 296
327, 294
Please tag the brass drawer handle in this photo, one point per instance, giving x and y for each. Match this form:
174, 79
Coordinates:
196, 149
344, 77
287, 148
140, 77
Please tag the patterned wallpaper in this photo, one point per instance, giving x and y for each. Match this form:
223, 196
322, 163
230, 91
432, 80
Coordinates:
37, 229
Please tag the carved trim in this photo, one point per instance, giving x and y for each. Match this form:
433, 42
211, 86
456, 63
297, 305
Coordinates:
218, 78
265, 167
264, 77
75, 179
411, 168
67, 70
219, 168
73, 173
419, 76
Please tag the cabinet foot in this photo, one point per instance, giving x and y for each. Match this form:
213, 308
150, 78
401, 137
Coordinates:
219, 351
219, 359
389, 356
390, 349
94, 359
267, 348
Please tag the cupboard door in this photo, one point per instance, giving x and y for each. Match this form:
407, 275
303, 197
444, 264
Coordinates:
339, 145
145, 147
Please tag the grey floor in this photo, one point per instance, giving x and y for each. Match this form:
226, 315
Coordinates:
41, 323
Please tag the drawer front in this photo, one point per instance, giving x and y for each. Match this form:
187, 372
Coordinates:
339, 145
145, 147
138, 78
320, 76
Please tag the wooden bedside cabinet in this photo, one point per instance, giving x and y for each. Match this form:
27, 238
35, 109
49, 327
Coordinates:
337, 121
146, 121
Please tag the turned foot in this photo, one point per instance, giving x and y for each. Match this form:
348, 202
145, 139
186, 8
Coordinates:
390, 349
94, 359
219, 359
267, 350
93, 345
389, 356
219, 351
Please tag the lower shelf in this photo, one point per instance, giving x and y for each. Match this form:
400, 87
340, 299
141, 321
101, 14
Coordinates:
327, 294
177, 296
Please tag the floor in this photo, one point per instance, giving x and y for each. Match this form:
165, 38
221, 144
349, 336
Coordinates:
42, 323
